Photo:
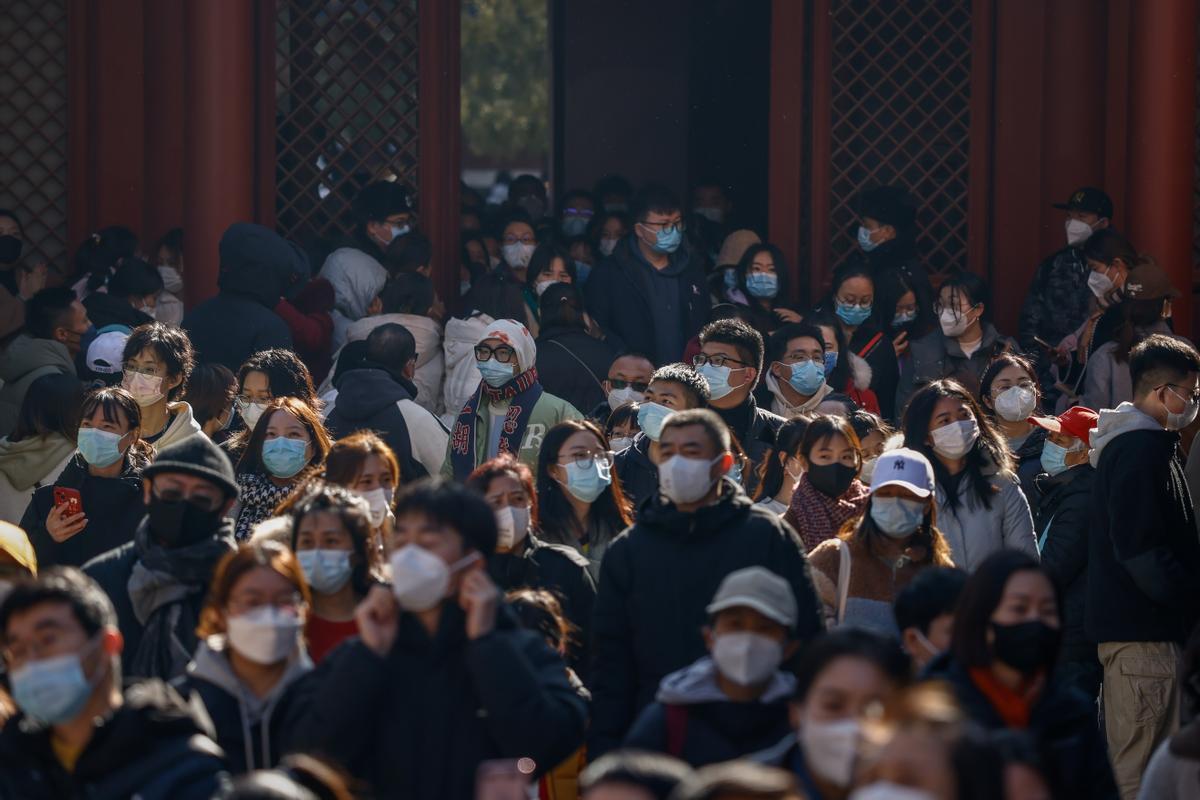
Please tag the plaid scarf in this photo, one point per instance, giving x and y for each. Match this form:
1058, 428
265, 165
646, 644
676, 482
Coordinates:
522, 394
816, 516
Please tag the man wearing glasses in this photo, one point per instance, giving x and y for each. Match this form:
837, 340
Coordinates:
649, 296
157, 582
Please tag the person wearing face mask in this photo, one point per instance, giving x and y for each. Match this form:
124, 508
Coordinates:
107, 473
570, 362
851, 301
211, 393
886, 237
874, 438
527, 193
523, 559
509, 411
1009, 392
1058, 301
980, 505
474, 675
330, 533
650, 294
1002, 668
763, 278
783, 467
55, 323
625, 382
723, 280
658, 578
518, 243
860, 573
81, 733
169, 262
265, 376
734, 700
622, 427
843, 678
964, 343
608, 228
672, 388
251, 671
576, 212
731, 360
911, 308
796, 378
157, 582
157, 362
287, 446
364, 464
1143, 556
924, 611
828, 494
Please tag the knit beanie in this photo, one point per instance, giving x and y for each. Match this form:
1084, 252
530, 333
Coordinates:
196, 455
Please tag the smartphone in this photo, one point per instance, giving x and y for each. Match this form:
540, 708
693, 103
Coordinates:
65, 496
1044, 344
504, 779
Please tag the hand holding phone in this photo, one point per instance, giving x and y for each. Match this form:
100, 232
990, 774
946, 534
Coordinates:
66, 518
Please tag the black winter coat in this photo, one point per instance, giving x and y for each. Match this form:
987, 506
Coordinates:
417, 723
1061, 524
571, 364
113, 507
639, 476
656, 580
153, 747
1062, 722
1055, 306
755, 429
1028, 459
562, 570
105, 309
1143, 554
231, 327
880, 355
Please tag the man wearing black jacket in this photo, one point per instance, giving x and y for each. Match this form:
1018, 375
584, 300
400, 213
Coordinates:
1144, 555
658, 577
79, 734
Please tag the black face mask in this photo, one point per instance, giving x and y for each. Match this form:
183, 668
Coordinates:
1027, 646
831, 479
10, 249
179, 523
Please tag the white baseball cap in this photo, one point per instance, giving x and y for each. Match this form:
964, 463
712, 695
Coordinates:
904, 467
106, 354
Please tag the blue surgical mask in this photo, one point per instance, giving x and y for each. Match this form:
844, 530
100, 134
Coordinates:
582, 271
651, 417
831, 359
864, 240
494, 373
897, 517
730, 278
718, 380
904, 318
807, 377
573, 225
762, 284
588, 483
853, 315
735, 472
284, 457
1054, 458
99, 448
51, 690
327, 571
668, 240
400, 230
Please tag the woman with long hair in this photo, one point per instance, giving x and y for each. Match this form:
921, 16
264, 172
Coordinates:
852, 301
980, 505
762, 275
828, 493
1009, 393
364, 464
783, 467
579, 495
42, 443
266, 376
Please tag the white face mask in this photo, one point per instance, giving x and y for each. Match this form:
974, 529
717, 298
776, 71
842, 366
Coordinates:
541, 286
517, 255
747, 658
420, 579
885, 790
172, 281
1100, 284
953, 324
619, 443
380, 501
1015, 403
619, 397
265, 635
956, 439
607, 246
830, 748
512, 526
251, 412
1180, 420
685, 480
1078, 232
868, 470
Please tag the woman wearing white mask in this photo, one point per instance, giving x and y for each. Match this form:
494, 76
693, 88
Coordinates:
331, 537
980, 505
364, 464
783, 467
964, 343
517, 243
622, 425
549, 264
251, 670
169, 308
266, 376
523, 559
1009, 392
106, 477
578, 491
157, 362
860, 573
843, 679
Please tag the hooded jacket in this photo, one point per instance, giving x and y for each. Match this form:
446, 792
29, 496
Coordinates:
714, 728
1143, 551
357, 279
26, 465
1106, 381
571, 364
374, 399
1063, 526
154, 747
253, 731
105, 309
639, 475
417, 722
547, 412
25, 360
180, 426
113, 507
431, 362
462, 376
974, 531
935, 356
656, 581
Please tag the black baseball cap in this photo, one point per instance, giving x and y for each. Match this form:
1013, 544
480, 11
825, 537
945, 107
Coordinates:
1089, 199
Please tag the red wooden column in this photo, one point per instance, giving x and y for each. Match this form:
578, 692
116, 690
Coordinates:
219, 132
1161, 129
164, 153
440, 147
785, 157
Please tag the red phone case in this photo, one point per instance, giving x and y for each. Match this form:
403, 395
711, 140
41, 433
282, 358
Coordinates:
68, 497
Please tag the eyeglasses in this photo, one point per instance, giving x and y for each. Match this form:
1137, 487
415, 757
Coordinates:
241, 606
669, 227
938, 308
578, 212
1025, 384
602, 459
148, 371
637, 386
504, 354
511, 239
1194, 396
243, 401
718, 360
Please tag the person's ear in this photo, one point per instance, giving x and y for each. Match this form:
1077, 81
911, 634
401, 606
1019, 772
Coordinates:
111, 642
889, 233
376, 307
908, 638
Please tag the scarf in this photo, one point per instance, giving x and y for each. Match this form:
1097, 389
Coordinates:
259, 497
161, 587
1014, 707
816, 516
521, 393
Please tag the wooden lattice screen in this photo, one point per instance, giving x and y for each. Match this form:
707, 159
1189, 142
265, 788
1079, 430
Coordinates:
346, 107
900, 100
33, 123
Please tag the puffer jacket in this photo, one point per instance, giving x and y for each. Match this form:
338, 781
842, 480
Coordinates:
357, 279
1106, 380
1029, 466
936, 355
431, 361
462, 376
1063, 525
26, 465
25, 360
975, 531
1056, 305
547, 412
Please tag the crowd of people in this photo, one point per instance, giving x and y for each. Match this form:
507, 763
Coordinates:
623, 520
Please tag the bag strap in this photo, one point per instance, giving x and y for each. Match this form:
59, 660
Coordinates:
843, 579
869, 346
582, 363
677, 721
